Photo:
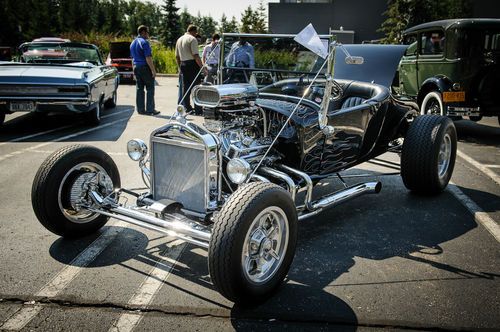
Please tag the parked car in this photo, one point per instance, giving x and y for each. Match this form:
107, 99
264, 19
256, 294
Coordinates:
120, 58
232, 184
452, 67
58, 77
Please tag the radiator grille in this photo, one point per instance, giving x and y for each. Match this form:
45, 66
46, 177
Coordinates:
179, 175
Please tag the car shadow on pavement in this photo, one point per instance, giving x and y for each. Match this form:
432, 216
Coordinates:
42, 127
392, 224
472, 132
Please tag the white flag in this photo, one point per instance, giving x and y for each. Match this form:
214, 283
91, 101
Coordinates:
310, 39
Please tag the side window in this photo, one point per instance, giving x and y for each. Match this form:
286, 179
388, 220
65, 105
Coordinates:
432, 43
411, 41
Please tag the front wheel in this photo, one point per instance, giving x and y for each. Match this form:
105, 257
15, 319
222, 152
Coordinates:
253, 242
111, 102
61, 187
432, 104
93, 116
429, 153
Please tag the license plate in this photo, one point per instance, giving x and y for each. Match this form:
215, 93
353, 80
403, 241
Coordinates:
22, 106
127, 76
449, 97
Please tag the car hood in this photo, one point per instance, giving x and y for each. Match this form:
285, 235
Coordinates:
40, 73
379, 66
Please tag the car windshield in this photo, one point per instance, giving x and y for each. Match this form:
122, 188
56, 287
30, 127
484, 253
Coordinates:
64, 53
266, 60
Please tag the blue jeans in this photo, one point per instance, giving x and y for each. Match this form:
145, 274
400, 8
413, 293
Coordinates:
144, 78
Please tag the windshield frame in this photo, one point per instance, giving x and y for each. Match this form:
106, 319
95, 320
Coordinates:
50, 46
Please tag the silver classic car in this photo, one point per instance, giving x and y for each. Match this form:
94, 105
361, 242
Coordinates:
57, 77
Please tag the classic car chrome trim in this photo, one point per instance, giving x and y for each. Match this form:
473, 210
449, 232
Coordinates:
292, 188
208, 143
212, 96
342, 196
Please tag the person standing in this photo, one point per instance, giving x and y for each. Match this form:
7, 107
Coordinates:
241, 55
189, 61
144, 72
210, 58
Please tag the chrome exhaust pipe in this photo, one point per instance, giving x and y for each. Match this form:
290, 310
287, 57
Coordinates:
343, 196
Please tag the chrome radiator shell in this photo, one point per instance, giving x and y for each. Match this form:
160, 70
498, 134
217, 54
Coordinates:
226, 95
185, 167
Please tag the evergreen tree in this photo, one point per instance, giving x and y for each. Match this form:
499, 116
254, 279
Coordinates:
247, 20
185, 20
233, 26
403, 14
171, 23
259, 24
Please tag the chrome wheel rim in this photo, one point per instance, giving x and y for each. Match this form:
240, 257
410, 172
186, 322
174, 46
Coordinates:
79, 178
444, 156
433, 107
265, 245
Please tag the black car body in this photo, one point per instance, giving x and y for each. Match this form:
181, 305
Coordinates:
238, 184
452, 67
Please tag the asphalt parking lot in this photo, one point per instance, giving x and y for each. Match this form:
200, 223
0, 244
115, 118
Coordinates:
392, 260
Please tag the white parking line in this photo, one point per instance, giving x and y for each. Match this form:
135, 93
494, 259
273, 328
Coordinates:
479, 166
149, 288
36, 147
480, 216
55, 286
59, 128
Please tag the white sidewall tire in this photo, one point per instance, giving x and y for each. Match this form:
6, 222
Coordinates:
429, 96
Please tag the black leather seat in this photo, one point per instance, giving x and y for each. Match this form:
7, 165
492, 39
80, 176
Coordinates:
358, 93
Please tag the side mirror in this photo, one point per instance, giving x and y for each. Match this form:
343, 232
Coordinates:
354, 60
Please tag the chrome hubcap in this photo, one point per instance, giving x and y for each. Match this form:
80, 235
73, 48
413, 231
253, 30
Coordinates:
74, 188
433, 107
265, 245
444, 156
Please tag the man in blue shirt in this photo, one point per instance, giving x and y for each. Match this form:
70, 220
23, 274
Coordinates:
241, 55
144, 71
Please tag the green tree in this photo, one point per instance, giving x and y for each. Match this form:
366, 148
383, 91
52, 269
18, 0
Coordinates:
247, 20
403, 14
185, 20
260, 15
228, 26
171, 23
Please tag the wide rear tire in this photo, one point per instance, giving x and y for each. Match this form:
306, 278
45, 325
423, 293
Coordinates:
57, 189
429, 152
253, 243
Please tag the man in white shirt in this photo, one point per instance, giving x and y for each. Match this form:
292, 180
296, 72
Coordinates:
189, 61
210, 58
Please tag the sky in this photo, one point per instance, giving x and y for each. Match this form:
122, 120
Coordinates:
215, 8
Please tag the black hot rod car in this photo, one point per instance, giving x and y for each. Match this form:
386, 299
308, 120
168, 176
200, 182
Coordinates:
239, 184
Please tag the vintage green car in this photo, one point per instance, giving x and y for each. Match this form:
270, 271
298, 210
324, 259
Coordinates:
451, 67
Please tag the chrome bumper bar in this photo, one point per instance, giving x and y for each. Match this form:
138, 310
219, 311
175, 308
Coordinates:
175, 225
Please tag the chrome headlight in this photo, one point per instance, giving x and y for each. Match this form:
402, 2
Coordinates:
137, 149
238, 170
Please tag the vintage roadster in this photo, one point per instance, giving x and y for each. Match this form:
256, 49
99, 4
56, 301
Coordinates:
239, 184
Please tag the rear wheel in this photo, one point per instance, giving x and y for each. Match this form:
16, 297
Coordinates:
428, 155
2, 118
432, 104
60, 189
253, 242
